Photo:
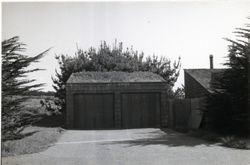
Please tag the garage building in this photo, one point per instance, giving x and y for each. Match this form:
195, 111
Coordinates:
108, 100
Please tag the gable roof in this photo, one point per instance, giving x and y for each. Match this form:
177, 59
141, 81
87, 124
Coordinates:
112, 77
204, 76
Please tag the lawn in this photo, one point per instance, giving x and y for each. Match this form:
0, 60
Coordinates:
37, 139
39, 135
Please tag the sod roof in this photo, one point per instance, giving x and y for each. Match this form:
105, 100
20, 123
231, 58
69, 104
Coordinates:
112, 77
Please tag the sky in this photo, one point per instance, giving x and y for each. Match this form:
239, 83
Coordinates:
189, 29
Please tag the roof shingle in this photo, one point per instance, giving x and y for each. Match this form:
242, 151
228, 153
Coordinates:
204, 76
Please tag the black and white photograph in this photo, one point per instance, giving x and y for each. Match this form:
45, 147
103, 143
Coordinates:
125, 82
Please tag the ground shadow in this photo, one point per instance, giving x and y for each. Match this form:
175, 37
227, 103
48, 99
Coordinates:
19, 136
163, 137
50, 121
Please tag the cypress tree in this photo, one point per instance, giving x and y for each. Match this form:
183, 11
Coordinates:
227, 109
15, 85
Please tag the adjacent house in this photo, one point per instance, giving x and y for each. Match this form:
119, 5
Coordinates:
197, 87
198, 81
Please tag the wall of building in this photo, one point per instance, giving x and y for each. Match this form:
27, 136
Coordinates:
117, 89
249, 91
185, 114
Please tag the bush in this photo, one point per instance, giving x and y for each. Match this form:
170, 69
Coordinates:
106, 58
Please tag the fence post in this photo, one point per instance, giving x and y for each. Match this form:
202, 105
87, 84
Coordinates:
163, 113
170, 113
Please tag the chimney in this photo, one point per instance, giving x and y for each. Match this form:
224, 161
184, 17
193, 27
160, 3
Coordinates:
211, 61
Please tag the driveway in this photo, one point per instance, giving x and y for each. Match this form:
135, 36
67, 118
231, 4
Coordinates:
132, 147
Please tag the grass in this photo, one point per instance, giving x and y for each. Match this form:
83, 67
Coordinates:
114, 76
38, 139
38, 136
33, 103
236, 142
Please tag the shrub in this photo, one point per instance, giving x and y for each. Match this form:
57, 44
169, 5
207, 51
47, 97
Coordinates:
106, 58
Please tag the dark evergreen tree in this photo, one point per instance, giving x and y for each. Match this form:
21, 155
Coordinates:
14, 85
106, 58
227, 109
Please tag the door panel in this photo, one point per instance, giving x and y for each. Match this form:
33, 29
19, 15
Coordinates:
140, 110
93, 111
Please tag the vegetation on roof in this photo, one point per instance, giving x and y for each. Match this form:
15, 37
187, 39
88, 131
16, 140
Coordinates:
95, 77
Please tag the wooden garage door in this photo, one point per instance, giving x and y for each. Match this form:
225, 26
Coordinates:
140, 110
93, 111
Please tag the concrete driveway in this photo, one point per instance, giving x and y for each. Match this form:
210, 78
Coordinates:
132, 147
